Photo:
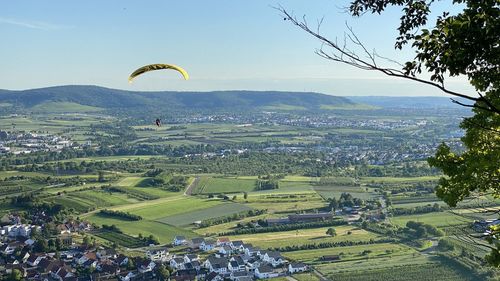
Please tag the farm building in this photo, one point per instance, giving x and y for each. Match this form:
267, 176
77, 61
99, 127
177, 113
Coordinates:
330, 258
304, 218
300, 218
273, 222
297, 267
157, 254
195, 243
265, 271
207, 246
179, 240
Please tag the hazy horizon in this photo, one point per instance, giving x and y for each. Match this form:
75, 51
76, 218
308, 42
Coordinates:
232, 90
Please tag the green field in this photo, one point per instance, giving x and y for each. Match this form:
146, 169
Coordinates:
405, 268
417, 204
428, 199
153, 192
229, 226
331, 191
291, 187
189, 217
132, 186
208, 185
120, 239
306, 277
82, 201
6, 174
285, 202
300, 178
164, 232
305, 236
154, 210
375, 260
350, 253
100, 198
129, 181
439, 219
288, 207
89, 199
151, 211
398, 179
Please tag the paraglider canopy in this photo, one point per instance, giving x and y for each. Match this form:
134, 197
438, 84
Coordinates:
158, 66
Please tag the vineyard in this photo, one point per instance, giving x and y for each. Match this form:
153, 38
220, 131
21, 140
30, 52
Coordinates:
426, 272
120, 239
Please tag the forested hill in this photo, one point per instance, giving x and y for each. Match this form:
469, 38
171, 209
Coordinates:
104, 98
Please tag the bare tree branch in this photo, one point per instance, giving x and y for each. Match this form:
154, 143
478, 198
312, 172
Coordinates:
344, 55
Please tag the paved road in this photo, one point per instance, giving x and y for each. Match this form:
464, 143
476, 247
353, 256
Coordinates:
384, 208
192, 186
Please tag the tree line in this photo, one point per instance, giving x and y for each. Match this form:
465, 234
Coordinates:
120, 214
417, 210
285, 227
234, 217
324, 245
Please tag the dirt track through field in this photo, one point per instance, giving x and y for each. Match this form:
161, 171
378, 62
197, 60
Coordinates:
192, 186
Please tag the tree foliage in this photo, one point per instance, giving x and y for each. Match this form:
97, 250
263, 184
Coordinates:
285, 227
463, 44
15, 275
163, 272
120, 214
331, 231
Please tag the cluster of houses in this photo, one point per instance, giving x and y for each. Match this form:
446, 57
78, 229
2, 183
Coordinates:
18, 251
73, 226
197, 258
17, 230
100, 264
28, 142
192, 259
226, 260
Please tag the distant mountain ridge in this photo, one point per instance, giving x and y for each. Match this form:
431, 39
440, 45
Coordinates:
85, 98
106, 98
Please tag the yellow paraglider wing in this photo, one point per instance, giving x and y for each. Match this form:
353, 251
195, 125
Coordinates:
158, 66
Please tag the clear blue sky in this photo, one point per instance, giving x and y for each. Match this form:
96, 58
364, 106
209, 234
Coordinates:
225, 44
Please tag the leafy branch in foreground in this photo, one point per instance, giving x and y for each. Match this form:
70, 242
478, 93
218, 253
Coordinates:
464, 44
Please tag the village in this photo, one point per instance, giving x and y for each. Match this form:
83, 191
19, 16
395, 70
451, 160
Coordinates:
69, 251
189, 259
20, 142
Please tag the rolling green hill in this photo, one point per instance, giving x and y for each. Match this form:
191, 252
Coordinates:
61, 106
94, 98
